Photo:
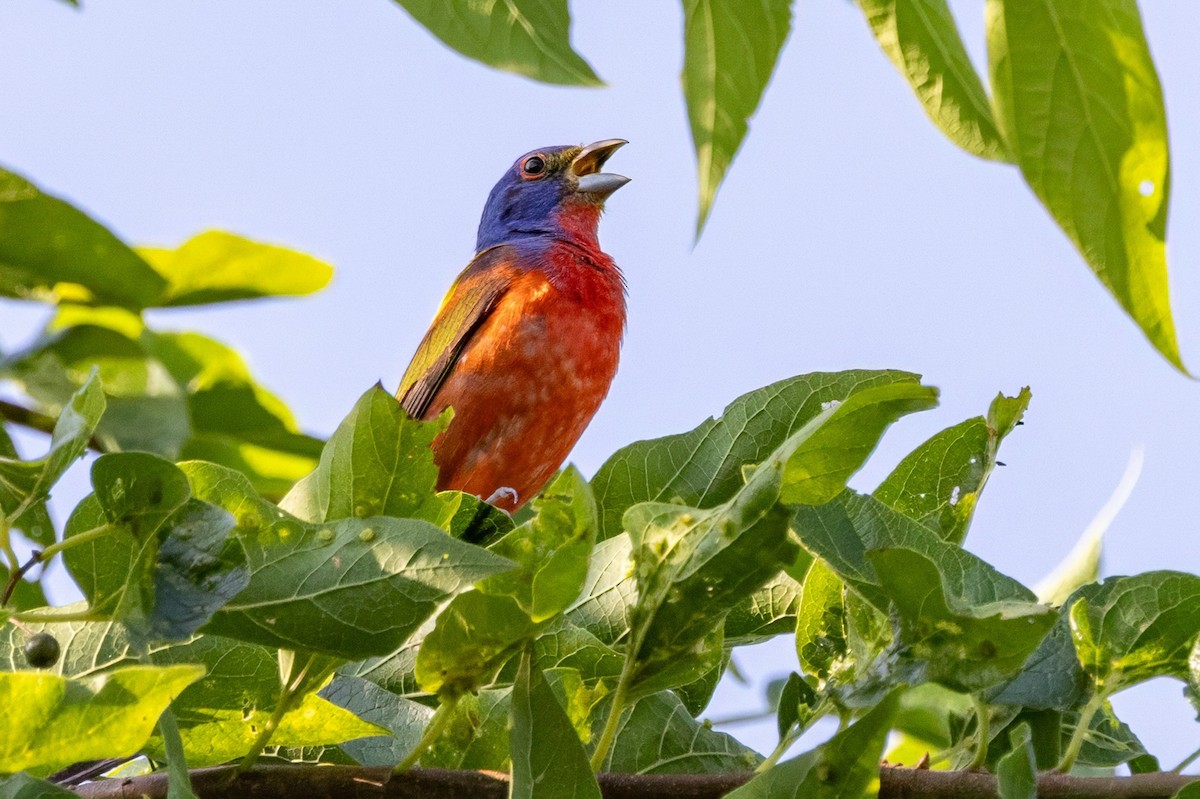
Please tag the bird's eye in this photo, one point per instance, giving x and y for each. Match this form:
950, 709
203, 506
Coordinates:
534, 165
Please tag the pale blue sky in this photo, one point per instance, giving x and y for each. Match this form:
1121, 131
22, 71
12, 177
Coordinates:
850, 233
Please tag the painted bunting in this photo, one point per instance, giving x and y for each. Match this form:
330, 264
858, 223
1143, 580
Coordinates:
525, 344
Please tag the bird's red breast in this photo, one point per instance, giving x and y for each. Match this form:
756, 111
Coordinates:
525, 345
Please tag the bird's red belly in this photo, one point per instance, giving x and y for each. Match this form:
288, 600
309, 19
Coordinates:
524, 390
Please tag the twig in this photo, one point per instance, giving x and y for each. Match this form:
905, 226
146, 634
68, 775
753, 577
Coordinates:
36, 420
17, 574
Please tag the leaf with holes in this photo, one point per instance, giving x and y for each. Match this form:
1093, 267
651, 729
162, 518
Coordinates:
1078, 100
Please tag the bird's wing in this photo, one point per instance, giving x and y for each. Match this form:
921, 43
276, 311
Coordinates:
466, 307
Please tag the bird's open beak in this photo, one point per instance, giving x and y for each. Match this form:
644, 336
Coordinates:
590, 161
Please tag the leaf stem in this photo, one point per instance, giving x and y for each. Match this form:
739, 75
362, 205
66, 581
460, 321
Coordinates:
983, 734
1085, 722
1187, 761
620, 699
437, 724
85, 537
33, 617
287, 696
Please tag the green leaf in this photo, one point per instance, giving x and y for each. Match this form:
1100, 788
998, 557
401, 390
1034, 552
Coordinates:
1078, 100
660, 736
1193, 686
26, 484
768, 612
921, 39
703, 467
403, 718
235, 421
842, 437
22, 786
528, 37
146, 409
138, 491
179, 781
473, 637
843, 531
477, 735
966, 646
820, 623
608, 591
216, 266
1139, 628
1016, 774
222, 714
939, 482
51, 722
1108, 743
170, 562
730, 51
552, 549
353, 587
847, 765
547, 758
35, 521
796, 703
377, 463
48, 248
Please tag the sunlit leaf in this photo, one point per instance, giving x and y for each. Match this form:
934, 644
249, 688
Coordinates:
1078, 100
50, 722
48, 246
703, 467
547, 759
216, 266
528, 37
921, 39
730, 50
939, 482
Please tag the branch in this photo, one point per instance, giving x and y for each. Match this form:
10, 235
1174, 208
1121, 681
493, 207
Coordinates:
335, 782
35, 420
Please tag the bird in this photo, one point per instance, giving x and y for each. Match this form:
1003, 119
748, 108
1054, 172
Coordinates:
526, 343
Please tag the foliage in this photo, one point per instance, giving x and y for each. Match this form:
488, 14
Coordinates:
252, 589
1072, 99
351, 622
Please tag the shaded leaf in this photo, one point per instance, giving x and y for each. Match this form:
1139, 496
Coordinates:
216, 266
1138, 628
1016, 773
730, 50
921, 39
34, 521
965, 646
845, 766
22, 786
528, 37
49, 247
24, 485
659, 736
939, 482
1078, 100
768, 612
703, 467
179, 781
547, 758
403, 718
552, 549
377, 463
51, 722
608, 591
472, 638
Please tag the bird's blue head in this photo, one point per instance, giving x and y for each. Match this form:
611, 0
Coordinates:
554, 192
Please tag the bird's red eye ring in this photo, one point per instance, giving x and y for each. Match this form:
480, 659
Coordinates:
534, 167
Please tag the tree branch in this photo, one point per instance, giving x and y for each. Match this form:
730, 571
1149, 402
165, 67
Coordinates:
336, 782
35, 420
